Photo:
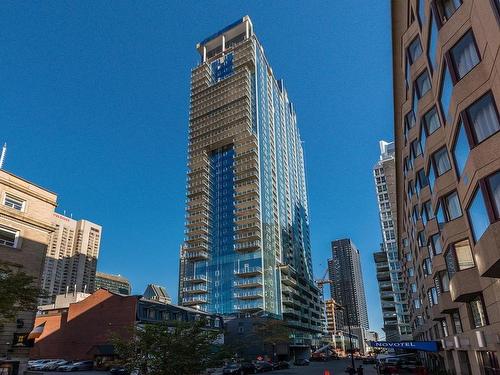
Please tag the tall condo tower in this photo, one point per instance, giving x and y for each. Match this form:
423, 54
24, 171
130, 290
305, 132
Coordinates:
348, 289
247, 247
389, 275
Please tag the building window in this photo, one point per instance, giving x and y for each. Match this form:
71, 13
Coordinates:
423, 138
493, 189
432, 295
441, 162
413, 287
427, 212
423, 84
453, 208
483, 118
442, 282
457, 322
464, 55
422, 180
459, 257
414, 50
415, 148
431, 121
13, 202
8, 237
444, 328
446, 8
461, 149
421, 12
445, 91
435, 244
478, 215
410, 120
427, 266
489, 363
433, 39
478, 312
421, 239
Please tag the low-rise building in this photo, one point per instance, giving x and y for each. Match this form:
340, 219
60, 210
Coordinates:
84, 329
25, 227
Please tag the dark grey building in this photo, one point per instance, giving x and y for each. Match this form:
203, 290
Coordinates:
347, 288
113, 283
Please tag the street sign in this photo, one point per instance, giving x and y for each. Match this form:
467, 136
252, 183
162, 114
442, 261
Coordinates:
426, 346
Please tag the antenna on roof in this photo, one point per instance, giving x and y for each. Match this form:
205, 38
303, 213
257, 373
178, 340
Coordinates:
2, 155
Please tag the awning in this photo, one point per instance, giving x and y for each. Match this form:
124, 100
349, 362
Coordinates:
36, 332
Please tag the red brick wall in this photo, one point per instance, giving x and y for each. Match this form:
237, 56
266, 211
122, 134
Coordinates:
71, 335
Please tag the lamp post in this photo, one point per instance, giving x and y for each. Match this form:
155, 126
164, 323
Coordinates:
344, 307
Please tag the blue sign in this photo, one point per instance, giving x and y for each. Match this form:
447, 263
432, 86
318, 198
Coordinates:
426, 346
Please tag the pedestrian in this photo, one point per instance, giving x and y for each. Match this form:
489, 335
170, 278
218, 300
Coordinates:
360, 370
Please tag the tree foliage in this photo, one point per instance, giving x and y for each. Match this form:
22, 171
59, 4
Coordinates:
272, 331
18, 291
163, 349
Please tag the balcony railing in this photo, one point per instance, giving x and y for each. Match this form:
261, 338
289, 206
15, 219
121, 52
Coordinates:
195, 289
196, 254
249, 306
196, 279
251, 294
248, 283
248, 271
195, 300
247, 246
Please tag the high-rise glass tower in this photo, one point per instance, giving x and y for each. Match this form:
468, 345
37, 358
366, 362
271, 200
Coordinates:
247, 247
389, 275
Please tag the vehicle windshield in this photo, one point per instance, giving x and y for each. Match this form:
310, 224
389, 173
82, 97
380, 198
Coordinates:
233, 365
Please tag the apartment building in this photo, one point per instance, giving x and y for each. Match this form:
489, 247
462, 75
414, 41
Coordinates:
113, 283
389, 276
247, 247
71, 260
25, 229
446, 101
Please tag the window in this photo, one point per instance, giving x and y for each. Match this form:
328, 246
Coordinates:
457, 322
461, 149
493, 186
421, 239
8, 237
422, 180
445, 91
431, 121
464, 55
478, 215
433, 39
435, 244
415, 148
414, 50
483, 118
13, 202
427, 266
442, 282
427, 213
452, 204
421, 12
489, 363
423, 84
432, 295
413, 287
459, 257
446, 8
478, 312
411, 272
441, 162
410, 120
423, 138
444, 327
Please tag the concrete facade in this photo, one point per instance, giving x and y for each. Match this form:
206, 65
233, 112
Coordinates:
113, 283
25, 227
71, 259
446, 100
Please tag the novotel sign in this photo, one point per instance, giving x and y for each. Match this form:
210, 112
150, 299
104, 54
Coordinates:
427, 346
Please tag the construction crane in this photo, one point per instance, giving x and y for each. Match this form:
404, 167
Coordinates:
321, 282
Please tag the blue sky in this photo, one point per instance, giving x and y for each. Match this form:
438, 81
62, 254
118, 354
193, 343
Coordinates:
94, 106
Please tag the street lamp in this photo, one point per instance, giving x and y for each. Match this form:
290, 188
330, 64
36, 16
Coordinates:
346, 308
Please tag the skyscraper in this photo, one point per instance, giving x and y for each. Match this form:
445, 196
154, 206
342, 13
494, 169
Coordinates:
447, 128
247, 247
71, 260
347, 288
390, 279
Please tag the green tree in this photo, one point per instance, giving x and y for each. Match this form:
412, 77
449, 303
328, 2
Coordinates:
163, 349
271, 332
18, 291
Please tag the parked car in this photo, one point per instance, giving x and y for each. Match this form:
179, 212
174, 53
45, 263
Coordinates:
283, 365
77, 366
37, 364
301, 362
243, 368
263, 366
54, 365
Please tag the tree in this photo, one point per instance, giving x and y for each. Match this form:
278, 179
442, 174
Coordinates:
272, 332
163, 349
18, 291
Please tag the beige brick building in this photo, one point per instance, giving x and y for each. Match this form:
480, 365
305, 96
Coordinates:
71, 260
447, 127
25, 227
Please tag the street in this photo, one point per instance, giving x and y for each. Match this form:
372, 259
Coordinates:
318, 368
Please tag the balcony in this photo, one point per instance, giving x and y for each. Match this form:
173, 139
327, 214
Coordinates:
248, 283
248, 271
249, 306
196, 279
446, 305
383, 276
464, 285
287, 280
194, 300
196, 289
486, 252
253, 235
247, 246
250, 294
196, 254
